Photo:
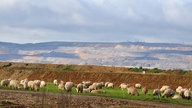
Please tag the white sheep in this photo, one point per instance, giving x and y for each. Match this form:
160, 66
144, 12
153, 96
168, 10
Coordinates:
168, 93
99, 85
138, 86
186, 94
68, 86
93, 87
178, 89
43, 84
110, 85
176, 97
14, 84
24, 83
163, 88
144, 90
34, 85
79, 88
133, 91
86, 90
106, 84
86, 84
61, 86
55, 82
123, 86
98, 91
5, 82
30, 84
156, 92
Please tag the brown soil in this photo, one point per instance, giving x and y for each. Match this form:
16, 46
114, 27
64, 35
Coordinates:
21, 99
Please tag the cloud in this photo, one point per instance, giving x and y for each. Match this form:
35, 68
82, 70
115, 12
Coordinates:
95, 20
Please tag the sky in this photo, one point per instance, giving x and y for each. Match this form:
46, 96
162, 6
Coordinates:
32, 21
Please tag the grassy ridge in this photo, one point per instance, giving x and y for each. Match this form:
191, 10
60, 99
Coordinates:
115, 93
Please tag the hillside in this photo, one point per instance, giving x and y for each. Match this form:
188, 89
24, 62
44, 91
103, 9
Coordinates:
78, 73
127, 54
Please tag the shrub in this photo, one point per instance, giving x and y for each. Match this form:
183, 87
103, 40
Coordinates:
156, 70
136, 69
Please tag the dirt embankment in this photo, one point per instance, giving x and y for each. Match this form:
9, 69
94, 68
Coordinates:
21, 99
117, 75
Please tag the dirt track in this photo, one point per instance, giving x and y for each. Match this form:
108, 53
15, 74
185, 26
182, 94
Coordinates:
49, 100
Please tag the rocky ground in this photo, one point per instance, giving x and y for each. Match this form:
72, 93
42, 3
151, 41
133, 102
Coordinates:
23, 99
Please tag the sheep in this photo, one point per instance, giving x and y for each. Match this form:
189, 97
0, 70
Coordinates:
179, 88
14, 84
138, 86
163, 88
144, 90
5, 82
79, 88
42, 84
168, 93
156, 92
86, 90
106, 84
30, 84
24, 83
110, 85
186, 94
98, 91
68, 86
133, 91
99, 85
55, 82
93, 87
61, 85
86, 84
34, 85
123, 86
176, 97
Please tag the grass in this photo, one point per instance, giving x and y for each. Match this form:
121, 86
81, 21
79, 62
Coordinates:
115, 93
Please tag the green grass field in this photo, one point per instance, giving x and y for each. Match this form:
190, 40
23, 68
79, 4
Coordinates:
115, 93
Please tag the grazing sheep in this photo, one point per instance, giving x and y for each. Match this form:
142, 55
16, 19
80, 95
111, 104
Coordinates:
156, 92
176, 97
168, 93
186, 94
24, 83
30, 84
55, 82
179, 88
123, 86
106, 84
79, 88
98, 91
14, 84
34, 85
68, 86
86, 90
86, 84
138, 86
163, 88
99, 85
43, 84
144, 90
93, 87
133, 91
110, 85
5, 82
61, 86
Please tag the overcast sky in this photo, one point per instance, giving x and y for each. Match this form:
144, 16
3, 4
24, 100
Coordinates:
29, 21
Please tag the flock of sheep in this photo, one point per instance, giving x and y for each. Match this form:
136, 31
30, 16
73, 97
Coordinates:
88, 86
